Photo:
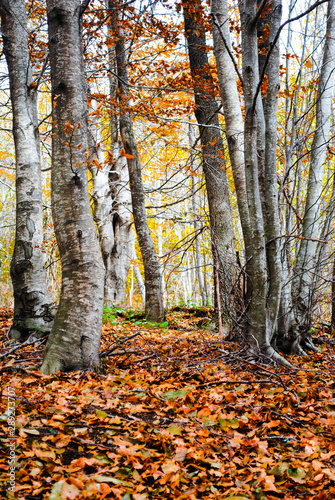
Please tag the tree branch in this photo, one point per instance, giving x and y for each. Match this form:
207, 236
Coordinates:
259, 12
275, 40
84, 6
227, 48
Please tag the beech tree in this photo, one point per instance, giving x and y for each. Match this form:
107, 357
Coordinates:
33, 308
276, 211
252, 148
154, 305
212, 150
305, 276
255, 159
112, 210
75, 338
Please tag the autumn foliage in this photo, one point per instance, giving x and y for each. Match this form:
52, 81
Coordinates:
175, 413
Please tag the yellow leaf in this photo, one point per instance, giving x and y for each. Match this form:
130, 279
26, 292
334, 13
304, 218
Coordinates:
63, 490
170, 466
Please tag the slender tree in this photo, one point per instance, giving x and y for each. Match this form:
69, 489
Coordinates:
206, 112
195, 203
305, 278
33, 308
154, 307
75, 338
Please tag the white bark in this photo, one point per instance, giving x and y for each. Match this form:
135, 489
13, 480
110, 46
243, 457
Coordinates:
259, 143
231, 106
304, 278
33, 309
112, 211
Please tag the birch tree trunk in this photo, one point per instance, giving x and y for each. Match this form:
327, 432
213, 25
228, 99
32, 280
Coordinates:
33, 309
75, 338
304, 277
223, 242
154, 307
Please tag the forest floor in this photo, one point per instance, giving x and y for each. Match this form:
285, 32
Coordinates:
175, 413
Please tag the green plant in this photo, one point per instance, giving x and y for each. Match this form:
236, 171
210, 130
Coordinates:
109, 316
150, 324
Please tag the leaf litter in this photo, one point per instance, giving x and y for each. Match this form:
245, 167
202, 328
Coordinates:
174, 413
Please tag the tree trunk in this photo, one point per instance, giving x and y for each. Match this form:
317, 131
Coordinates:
304, 276
285, 315
206, 113
258, 331
260, 153
140, 283
75, 338
154, 308
111, 209
268, 171
252, 149
333, 300
33, 309
196, 225
231, 105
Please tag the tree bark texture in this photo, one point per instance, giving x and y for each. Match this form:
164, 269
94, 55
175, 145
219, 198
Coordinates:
304, 278
33, 308
258, 334
268, 153
154, 307
234, 125
111, 209
195, 205
260, 168
75, 338
206, 112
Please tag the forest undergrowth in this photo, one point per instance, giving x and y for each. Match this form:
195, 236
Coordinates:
175, 413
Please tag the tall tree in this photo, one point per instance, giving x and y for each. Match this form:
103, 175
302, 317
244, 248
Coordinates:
305, 278
261, 229
33, 308
260, 29
206, 112
154, 306
75, 338
195, 203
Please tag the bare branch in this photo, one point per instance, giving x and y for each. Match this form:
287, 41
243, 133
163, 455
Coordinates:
275, 40
259, 12
227, 48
